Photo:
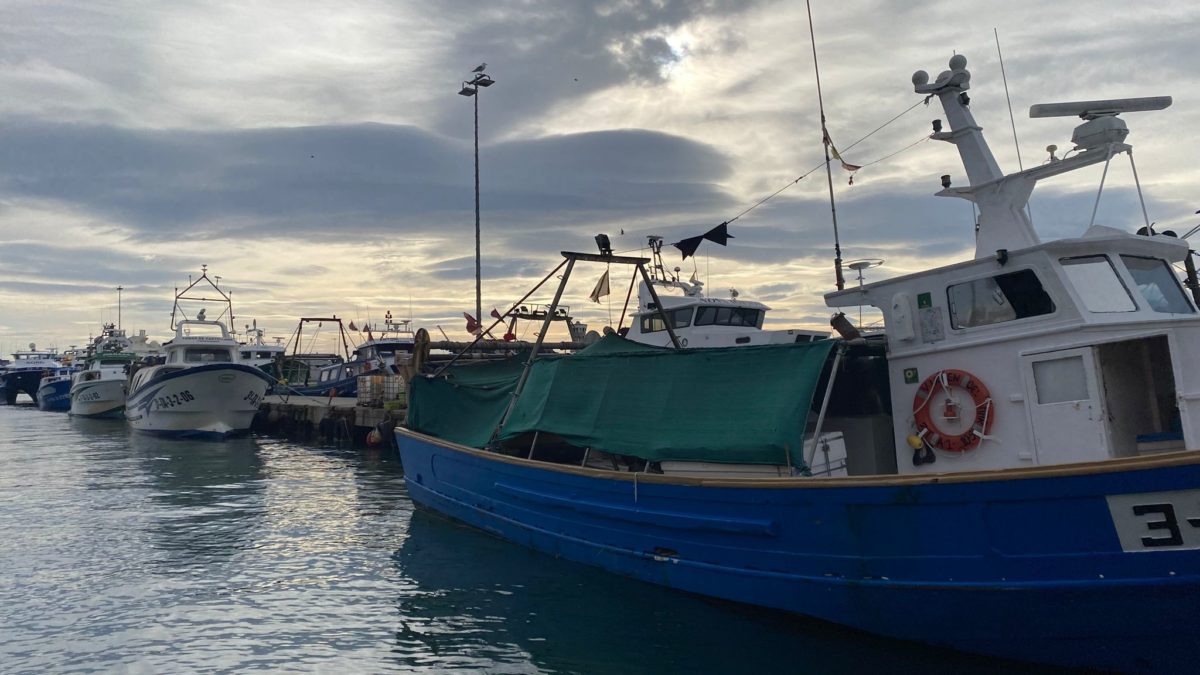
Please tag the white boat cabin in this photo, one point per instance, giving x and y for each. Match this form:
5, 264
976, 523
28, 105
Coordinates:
34, 359
1034, 352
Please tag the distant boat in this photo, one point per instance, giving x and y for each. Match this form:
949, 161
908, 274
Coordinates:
54, 390
203, 389
1021, 468
24, 374
99, 389
382, 352
699, 320
257, 352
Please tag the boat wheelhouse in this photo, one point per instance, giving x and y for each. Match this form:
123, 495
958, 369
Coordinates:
1021, 475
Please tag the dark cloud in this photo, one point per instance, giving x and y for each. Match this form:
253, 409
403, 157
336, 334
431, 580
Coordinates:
342, 180
93, 268
566, 49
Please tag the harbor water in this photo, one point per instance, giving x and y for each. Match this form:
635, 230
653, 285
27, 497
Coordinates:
121, 552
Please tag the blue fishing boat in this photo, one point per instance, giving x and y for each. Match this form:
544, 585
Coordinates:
54, 390
382, 353
1009, 469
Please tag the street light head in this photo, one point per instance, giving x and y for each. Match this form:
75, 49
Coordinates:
466, 90
484, 80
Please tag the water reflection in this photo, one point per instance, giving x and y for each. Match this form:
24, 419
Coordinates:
206, 497
480, 602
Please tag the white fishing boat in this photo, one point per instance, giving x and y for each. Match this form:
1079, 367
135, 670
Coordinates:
697, 319
99, 389
257, 352
202, 389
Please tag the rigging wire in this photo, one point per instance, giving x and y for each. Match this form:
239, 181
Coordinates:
806, 174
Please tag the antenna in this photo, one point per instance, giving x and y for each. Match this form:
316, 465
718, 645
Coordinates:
837, 245
1090, 110
859, 266
1011, 120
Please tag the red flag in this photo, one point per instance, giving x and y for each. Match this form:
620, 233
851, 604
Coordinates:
496, 314
352, 326
472, 324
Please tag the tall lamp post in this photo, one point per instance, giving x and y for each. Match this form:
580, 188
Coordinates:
471, 88
119, 289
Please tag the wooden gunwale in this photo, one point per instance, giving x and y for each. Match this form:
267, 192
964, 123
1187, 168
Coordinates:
1155, 461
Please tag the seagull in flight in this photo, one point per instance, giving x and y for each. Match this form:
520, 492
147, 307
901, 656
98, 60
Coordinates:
479, 68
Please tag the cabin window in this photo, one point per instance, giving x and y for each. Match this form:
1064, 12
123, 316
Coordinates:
1157, 284
1096, 281
1006, 297
206, 355
1060, 380
729, 316
680, 318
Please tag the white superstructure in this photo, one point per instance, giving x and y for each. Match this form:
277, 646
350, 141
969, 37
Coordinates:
699, 320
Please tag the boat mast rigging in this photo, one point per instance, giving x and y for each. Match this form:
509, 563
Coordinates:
837, 245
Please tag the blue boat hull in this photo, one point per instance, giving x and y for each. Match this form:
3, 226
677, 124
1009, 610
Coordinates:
55, 397
1023, 564
340, 388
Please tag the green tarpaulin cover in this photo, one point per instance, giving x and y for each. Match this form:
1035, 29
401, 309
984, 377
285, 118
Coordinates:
741, 404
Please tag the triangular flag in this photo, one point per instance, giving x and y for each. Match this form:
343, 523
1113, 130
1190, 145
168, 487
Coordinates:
689, 245
472, 324
836, 155
352, 326
496, 314
719, 234
601, 288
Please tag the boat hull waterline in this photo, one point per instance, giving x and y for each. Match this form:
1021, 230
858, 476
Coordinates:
208, 401
1028, 566
98, 399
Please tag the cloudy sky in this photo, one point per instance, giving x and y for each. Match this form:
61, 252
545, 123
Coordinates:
317, 157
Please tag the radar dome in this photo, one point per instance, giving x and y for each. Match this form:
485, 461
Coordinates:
920, 78
958, 62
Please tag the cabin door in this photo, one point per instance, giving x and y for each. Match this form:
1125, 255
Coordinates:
1066, 406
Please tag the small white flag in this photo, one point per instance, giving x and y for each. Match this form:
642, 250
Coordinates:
601, 288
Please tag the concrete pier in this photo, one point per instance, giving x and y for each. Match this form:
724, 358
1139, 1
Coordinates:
338, 420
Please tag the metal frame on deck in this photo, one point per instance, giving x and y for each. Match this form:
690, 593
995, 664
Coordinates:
570, 259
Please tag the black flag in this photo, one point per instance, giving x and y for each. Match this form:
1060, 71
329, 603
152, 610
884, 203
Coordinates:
717, 235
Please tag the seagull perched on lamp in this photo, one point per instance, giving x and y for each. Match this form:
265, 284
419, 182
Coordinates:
479, 68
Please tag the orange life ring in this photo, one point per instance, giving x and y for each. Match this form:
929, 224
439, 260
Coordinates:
923, 406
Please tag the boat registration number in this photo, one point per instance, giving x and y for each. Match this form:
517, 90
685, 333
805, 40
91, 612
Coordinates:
1157, 521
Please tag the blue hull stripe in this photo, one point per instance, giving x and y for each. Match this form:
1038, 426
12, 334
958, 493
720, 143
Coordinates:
141, 395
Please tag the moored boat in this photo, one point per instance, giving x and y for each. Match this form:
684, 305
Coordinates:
99, 389
202, 389
700, 320
1021, 475
54, 390
24, 374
